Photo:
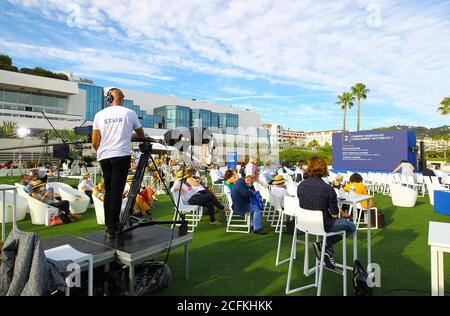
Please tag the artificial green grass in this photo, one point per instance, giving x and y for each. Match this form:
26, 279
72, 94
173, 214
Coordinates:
225, 264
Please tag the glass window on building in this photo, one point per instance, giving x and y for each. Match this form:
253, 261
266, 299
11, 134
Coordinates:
10, 96
2, 95
49, 101
24, 98
37, 99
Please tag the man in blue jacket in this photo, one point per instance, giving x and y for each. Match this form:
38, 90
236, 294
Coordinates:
241, 196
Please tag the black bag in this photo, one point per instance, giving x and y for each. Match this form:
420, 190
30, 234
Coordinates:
360, 275
150, 277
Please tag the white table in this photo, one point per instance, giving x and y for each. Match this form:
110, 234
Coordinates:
3, 189
439, 241
354, 200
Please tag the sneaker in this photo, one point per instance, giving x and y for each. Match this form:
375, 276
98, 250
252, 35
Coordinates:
317, 249
329, 260
260, 232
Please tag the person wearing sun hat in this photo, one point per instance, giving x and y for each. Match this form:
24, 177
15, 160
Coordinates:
193, 193
279, 190
40, 193
87, 186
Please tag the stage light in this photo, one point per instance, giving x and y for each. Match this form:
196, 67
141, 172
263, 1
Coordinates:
23, 132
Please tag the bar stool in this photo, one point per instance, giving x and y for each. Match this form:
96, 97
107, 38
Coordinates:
67, 252
311, 223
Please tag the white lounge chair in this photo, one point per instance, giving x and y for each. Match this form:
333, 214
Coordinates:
403, 196
21, 207
100, 209
78, 200
39, 211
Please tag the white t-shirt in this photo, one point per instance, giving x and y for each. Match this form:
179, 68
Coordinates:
249, 171
116, 124
279, 193
87, 185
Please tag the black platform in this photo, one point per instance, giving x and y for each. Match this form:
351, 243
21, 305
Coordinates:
101, 254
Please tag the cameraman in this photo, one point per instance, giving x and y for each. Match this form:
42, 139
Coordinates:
111, 138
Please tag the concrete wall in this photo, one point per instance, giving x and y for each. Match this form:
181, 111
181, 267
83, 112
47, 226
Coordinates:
40, 84
77, 104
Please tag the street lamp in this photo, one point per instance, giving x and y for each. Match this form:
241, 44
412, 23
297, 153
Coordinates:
22, 132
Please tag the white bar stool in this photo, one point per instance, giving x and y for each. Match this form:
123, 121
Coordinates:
67, 252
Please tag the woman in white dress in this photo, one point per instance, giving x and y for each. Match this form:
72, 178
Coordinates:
406, 167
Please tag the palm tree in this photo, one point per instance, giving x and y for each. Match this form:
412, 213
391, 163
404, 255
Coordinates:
445, 106
359, 91
346, 101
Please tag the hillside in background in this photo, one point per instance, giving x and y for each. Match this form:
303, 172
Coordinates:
420, 131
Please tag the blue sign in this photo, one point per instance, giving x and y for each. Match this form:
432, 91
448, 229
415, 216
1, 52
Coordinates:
232, 160
374, 150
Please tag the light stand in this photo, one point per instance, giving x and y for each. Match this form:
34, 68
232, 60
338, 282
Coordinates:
125, 224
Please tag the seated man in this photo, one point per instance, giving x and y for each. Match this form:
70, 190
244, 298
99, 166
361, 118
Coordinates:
279, 190
242, 203
40, 193
218, 173
314, 194
87, 186
268, 174
193, 193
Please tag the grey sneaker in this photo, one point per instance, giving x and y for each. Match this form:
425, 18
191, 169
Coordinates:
329, 260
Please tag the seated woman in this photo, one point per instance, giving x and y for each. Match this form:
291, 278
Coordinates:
314, 194
40, 193
99, 191
144, 198
194, 193
230, 179
87, 186
337, 183
356, 181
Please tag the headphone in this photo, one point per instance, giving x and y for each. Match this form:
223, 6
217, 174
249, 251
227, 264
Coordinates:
110, 97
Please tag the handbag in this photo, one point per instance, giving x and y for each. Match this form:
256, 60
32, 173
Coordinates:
257, 200
360, 275
55, 220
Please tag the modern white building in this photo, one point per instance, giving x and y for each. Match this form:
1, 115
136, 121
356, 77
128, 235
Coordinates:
322, 137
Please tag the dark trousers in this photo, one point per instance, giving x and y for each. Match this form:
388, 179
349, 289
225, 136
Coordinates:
62, 205
115, 171
208, 200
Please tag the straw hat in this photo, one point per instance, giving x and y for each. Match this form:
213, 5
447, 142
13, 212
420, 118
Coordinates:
278, 179
100, 185
181, 176
130, 178
86, 175
133, 157
36, 184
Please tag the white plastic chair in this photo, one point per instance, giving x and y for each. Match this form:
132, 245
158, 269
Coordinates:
78, 200
39, 211
67, 252
291, 207
362, 211
235, 221
403, 196
311, 223
192, 213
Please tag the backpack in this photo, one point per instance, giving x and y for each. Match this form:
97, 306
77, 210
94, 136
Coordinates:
360, 275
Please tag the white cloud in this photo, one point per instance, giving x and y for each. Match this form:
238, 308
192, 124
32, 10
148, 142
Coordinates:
321, 46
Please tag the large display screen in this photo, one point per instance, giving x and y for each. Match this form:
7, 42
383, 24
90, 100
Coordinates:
373, 150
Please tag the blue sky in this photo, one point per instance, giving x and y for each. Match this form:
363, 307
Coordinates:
287, 60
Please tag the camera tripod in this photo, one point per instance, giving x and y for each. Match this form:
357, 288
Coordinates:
126, 218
